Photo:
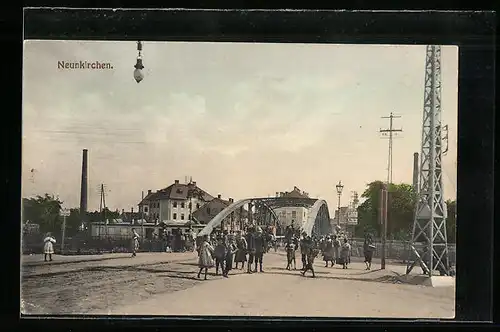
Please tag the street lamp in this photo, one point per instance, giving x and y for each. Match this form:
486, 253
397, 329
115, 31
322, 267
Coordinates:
339, 188
138, 74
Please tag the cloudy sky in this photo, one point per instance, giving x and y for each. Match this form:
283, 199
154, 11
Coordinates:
244, 120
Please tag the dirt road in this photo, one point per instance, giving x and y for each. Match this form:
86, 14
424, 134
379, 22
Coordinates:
154, 288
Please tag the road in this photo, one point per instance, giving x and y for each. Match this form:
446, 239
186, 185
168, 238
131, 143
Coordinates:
166, 284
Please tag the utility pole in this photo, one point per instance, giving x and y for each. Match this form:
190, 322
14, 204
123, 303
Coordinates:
102, 209
429, 225
385, 189
383, 221
390, 133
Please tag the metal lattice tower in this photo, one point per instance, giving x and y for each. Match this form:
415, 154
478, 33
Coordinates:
430, 215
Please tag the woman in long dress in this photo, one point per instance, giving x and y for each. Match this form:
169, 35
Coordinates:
230, 251
368, 249
135, 242
345, 252
241, 253
328, 252
205, 259
48, 246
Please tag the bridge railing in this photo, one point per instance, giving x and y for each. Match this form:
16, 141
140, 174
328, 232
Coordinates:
396, 250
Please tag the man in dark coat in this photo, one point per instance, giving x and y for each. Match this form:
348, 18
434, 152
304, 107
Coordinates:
303, 250
250, 237
260, 248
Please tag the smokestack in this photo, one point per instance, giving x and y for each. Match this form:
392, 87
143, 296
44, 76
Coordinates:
84, 185
415, 171
219, 196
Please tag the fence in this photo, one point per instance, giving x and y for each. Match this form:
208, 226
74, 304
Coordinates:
396, 250
94, 245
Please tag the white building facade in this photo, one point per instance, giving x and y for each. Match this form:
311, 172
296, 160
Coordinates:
173, 203
291, 215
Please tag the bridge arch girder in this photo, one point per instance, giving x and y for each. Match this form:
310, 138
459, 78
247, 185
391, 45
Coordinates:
234, 207
318, 220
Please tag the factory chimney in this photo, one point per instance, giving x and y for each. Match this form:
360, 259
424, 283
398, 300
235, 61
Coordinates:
84, 186
415, 172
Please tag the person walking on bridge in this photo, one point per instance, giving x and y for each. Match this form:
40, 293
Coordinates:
250, 238
303, 250
328, 252
260, 248
205, 261
345, 253
290, 247
312, 251
231, 249
220, 254
368, 249
241, 253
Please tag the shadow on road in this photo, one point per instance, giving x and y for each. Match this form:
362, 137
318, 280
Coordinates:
325, 275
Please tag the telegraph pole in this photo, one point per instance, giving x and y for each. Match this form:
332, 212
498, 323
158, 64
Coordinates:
390, 132
102, 208
385, 190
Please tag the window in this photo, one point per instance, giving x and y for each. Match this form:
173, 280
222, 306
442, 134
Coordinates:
182, 216
197, 205
146, 209
208, 210
175, 216
294, 214
182, 205
190, 205
304, 214
175, 204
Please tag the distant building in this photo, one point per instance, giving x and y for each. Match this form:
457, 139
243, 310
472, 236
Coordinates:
295, 193
348, 218
174, 203
292, 215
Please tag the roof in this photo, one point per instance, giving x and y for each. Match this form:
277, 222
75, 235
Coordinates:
178, 191
295, 193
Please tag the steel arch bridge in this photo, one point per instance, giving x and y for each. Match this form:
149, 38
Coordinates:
317, 223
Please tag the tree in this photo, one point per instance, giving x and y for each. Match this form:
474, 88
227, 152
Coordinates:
44, 211
401, 205
451, 220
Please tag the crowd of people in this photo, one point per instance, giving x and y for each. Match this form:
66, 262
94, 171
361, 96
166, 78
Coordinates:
222, 249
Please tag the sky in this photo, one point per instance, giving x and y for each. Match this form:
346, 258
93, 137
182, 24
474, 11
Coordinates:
242, 119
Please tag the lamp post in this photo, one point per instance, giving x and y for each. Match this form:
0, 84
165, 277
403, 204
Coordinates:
339, 188
138, 74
